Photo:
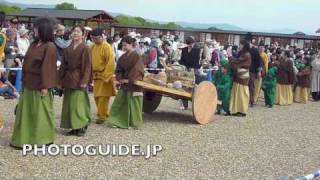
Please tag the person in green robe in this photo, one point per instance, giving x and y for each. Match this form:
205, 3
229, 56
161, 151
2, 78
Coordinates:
223, 82
35, 119
126, 110
269, 86
75, 75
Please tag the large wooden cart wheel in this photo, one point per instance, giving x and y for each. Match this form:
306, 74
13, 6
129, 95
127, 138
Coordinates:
151, 101
204, 102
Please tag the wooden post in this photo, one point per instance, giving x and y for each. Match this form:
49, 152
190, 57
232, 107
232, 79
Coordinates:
29, 21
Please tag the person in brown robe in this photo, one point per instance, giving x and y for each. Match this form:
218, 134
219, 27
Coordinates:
35, 120
285, 79
126, 110
76, 74
239, 102
302, 90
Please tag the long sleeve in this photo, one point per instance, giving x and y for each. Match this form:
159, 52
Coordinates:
291, 72
137, 71
62, 69
86, 67
110, 64
183, 58
7, 49
243, 61
256, 65
48, 73
305, 72
119, 72
227, 82
260, 62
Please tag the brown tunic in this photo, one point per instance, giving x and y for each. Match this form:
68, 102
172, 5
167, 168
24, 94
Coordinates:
76, 67
39, 69
130, 66
285, 75
244, 62
304, 77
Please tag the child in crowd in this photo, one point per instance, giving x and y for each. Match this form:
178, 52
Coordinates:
6, 88
269, 86
223, 82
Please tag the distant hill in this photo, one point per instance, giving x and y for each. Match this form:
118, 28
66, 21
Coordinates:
206, 26
23, 6
283, 30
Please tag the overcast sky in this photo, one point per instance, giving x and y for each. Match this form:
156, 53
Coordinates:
303, 15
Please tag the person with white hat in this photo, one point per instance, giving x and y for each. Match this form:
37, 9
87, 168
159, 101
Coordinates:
23, 42
115, 45
207, 51
60, 42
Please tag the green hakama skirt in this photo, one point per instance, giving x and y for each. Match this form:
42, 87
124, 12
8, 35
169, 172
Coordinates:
35, 120
126, 110
76, 111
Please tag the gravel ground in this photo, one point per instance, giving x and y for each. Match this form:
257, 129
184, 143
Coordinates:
267, 144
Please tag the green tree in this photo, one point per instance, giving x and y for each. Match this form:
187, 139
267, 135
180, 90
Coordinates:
125, 20
65, 6
9, 9
141, 20
172, 25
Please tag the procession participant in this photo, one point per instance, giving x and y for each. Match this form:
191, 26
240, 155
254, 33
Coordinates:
223, 82
315, 78
265, 64
269, 86
302, 90
285, 79
103, 66
126, 110
35, 120
75, 75
255, 67
239, 102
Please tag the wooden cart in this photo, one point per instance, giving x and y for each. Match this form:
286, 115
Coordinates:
203, 97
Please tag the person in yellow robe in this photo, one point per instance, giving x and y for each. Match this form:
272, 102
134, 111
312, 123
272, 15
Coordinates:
103, 67
3, 40
265, 63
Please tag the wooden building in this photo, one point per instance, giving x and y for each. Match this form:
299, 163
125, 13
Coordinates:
224, 37
76, 16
